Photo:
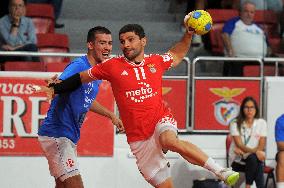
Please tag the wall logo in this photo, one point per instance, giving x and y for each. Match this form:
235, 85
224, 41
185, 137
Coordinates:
226, 109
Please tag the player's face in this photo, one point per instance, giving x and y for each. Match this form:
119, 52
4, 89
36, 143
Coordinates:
247, 14
101, 47
249, 110
132, 46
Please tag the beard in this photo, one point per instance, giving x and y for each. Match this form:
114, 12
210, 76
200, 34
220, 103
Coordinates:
133, 53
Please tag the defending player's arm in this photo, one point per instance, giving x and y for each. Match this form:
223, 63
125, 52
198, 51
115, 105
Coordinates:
67, 85
99, 109
180, 49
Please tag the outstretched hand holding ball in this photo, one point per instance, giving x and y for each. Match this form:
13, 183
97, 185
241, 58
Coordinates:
199, 20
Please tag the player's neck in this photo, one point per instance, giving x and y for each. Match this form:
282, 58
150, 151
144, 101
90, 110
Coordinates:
138, 59
91, 60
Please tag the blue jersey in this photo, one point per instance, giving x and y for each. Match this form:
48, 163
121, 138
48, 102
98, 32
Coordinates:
279, 129
67, 111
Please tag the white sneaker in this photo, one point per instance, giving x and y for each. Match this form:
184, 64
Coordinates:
229, 176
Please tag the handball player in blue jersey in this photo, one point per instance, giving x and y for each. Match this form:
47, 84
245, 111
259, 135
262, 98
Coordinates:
60, 130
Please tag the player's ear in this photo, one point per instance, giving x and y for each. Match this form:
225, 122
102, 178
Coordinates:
144, 41
90, 45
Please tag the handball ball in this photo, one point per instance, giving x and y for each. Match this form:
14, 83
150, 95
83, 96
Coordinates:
200, 21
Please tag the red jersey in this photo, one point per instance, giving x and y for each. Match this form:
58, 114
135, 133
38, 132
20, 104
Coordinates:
137, 89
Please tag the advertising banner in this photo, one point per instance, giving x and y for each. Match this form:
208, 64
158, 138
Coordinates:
174, 95
217, 102
22, 110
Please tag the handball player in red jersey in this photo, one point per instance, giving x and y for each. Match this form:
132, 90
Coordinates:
151, 130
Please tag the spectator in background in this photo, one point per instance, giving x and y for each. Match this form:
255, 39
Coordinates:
57, 5
249, 138
17, 32
275, 5
279, 137
243, 38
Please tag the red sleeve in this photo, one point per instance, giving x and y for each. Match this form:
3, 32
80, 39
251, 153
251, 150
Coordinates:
167, 61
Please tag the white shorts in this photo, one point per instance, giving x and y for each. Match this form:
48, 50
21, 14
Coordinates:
150, 158
61, 154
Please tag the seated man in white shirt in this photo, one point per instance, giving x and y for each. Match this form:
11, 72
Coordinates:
243, 38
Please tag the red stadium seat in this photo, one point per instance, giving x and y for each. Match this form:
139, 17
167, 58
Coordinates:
254, 70
56, 66
53, 42
274, 44
24, 66
222, 15
268, 21
42, 16
219, 17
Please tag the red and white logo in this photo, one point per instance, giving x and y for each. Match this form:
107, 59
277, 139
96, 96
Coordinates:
70, 163
144, 92
124, 73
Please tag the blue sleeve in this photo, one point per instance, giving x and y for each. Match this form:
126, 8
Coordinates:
74, 67
279, 129
230, 25
31, 31
5, 27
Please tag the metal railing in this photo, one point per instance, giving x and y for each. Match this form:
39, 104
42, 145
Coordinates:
276, 61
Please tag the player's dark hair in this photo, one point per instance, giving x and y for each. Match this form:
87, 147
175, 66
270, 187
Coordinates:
96, 30
137, 29
241, 117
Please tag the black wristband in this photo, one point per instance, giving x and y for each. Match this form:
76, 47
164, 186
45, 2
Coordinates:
68, 85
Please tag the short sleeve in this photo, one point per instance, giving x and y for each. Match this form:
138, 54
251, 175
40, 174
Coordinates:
230, 26
167, 61
263, 127
234, 129
279, 129
71, 69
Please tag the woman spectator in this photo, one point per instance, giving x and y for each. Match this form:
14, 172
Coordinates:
249, 139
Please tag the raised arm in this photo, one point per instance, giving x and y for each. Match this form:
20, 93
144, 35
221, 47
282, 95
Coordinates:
180, 49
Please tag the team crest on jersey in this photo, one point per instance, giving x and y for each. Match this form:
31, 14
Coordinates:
226, 109
152, 68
